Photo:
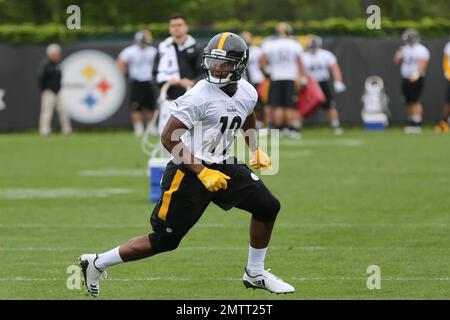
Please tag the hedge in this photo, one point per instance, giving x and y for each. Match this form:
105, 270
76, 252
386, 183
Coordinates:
339, 26
42, 34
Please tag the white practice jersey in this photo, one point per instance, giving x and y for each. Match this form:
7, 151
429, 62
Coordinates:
213, 118
282, 54
253, 72
139, 61
412, 54
446, 62
447, 50
318, 64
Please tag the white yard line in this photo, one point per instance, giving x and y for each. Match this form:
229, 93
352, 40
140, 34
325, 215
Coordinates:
113, 172
188, 279
400, 279
59, 193
220, 225
237, 248
296, 154
322, 142
90, 226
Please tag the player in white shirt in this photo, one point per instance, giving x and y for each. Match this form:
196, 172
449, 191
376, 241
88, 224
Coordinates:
282, 56
318, 63
255, 76
199, 134
443, 125
138, 60
413, 58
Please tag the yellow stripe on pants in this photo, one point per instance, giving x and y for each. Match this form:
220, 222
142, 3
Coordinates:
168, 194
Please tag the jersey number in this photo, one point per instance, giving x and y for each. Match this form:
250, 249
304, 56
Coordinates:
234, 125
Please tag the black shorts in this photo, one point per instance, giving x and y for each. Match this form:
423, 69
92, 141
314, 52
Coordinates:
142, 95
326, 89
412, 91
282, 93
184, 198
447, 96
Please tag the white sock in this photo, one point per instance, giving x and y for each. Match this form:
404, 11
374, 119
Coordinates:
416, 119
259, 124
255, 262
335, 124
296, 125
138, 129
108, 259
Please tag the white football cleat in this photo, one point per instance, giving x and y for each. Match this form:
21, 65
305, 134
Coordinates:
294, 134
91, 274
266, 281
284, 132
338, 131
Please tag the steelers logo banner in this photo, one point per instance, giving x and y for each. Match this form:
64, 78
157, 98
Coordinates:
93, 88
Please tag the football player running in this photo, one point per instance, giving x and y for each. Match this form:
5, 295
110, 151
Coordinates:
282, 59
199, 134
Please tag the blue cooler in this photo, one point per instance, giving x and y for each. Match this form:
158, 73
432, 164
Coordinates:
155, 172
375, 121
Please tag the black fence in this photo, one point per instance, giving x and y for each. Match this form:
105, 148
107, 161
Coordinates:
358, 58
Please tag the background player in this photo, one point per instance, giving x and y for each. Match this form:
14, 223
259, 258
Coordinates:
199, 135
282, 55
413, 58
318, 63
138, 60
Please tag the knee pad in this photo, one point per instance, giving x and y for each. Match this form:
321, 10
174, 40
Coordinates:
162, 242
268, 212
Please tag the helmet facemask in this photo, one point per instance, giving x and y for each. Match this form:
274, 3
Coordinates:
221, 69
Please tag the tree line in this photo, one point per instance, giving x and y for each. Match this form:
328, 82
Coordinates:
204, 13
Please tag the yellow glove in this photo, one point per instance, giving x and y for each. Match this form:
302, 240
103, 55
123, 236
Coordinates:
213, 180
260, 160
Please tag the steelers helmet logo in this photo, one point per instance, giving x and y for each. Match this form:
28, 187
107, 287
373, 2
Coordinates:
93, 88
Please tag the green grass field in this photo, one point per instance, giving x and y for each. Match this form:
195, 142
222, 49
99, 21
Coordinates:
347, 203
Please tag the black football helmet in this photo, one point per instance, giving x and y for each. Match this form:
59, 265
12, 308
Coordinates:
225, 59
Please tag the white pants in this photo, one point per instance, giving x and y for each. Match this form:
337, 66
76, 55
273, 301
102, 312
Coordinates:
50, 100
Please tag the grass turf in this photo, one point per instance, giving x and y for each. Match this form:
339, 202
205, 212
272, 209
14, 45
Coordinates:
347, 202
